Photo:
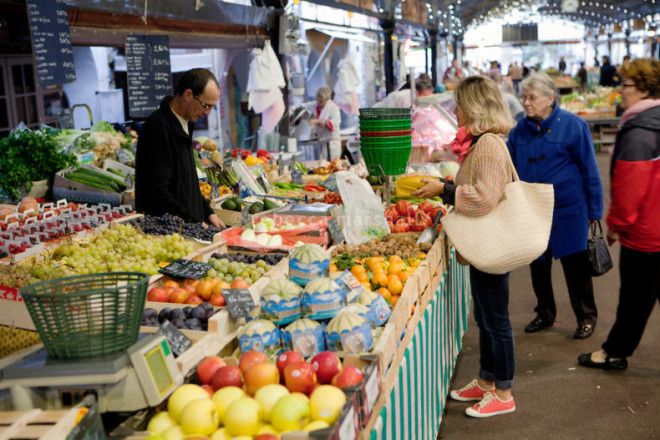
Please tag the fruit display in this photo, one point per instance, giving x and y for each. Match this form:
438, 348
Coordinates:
600, 100
121, 248
230, 271
248, 400
308, 262
190, 318
270, 259
259, 335
169, 224
349, 332
305, 336
333, 198
206, 189
191, 292
262, 239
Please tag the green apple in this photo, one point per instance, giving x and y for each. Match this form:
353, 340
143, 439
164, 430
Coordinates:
200, 417
291, 412
242, 417
160, 422
316, 424
224, 397
182, 396
221, 434
326, 403
267, 396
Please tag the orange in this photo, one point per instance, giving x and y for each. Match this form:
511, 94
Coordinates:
386, 294
403, 276
394, 284
394, 300
358, 270
380, 279
420, 255
396, 268
333, 268
394, 259
363, 278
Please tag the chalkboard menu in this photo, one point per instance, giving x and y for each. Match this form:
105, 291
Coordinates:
186, 269
148, 72
51, 42
239, 303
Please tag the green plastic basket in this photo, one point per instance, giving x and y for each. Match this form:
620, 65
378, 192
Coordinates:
384, 113
88, 315
388, 161
385, 124
389, 141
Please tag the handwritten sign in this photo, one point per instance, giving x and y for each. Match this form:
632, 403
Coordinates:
148, 73
177, 341
336, 231
51, 42
239, 303
187, 269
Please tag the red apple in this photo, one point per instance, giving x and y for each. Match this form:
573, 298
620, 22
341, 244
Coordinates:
326, 365
208, 389
217, 300
171, 284
158, 294
179, 296
251, 358
194, 300
260, 375
299, 377
226, 376
286, 358
348, 377
207, 368
266, 437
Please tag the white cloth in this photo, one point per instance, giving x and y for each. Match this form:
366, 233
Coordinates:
264, 79
330, 112
348, 80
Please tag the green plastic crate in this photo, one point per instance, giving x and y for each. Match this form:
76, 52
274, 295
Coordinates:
87, 315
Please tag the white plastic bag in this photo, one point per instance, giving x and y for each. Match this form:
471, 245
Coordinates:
363, 217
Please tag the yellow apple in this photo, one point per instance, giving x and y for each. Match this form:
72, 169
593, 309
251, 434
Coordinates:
224, 397
316, 424
242, 417
160, 422
200, 417
326, 403
221, 434
182, 396
290, 413
267, 397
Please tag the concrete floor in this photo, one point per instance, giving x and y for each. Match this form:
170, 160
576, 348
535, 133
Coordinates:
555, 398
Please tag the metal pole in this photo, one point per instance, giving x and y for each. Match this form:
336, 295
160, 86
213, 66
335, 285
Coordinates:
433, 34
388, 61
318, 62
628, 41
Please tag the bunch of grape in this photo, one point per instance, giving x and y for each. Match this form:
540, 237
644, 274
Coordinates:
170, 224
119, 249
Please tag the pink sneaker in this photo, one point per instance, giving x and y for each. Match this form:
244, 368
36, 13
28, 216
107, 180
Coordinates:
469, 392
491, 405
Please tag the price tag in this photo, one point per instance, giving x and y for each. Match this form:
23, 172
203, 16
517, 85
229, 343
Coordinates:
186, 269
240, 303
331, 183
336, 231
246, 217
177, 341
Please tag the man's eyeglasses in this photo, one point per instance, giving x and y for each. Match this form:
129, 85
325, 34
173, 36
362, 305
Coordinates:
205, 105
623, 86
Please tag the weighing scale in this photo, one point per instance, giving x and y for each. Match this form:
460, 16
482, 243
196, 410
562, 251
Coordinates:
142, 376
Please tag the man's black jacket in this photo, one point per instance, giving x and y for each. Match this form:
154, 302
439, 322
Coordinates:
165, 174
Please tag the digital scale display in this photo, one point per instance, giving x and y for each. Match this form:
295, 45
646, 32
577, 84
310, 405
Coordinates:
158, 368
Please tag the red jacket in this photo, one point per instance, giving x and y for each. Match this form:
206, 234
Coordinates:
635, 172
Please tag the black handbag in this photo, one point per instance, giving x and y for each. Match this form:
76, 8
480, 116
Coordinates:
599, 255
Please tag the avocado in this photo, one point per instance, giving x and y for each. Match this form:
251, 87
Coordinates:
229, 204
269, 204
256, 207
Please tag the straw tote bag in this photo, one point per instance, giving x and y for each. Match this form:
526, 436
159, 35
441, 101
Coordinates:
513, 234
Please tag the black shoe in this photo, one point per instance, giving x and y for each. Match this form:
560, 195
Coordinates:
584, 331
537, 324
609, 364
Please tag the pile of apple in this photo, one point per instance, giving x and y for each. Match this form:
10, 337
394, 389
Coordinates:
257, 399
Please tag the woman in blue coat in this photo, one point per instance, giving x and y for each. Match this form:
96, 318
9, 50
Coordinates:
554, 146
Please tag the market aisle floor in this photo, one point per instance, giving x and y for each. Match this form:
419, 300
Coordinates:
556, 399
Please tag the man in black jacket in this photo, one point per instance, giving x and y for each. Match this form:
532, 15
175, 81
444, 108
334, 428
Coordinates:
608, 74
165, 174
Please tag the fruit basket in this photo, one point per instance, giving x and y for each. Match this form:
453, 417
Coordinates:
88, 315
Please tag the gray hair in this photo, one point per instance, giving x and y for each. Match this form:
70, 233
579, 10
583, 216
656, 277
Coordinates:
541, 82
324, 93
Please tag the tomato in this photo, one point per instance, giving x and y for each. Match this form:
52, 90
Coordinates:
403, 207
402, 225
426, 206
391, 214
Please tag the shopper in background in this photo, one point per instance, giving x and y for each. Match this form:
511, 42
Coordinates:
608, 74
562, 65
513, 103
402, 99
495, 71
525, 70
596, 62
453, 74
485, 170
582, 76
469, 70
516, 75
326, 121
165, 172
424, 85
554, 146
634, 214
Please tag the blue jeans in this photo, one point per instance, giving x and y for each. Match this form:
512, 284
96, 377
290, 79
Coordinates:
491, 311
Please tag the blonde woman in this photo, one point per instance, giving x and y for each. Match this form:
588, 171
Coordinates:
485, 170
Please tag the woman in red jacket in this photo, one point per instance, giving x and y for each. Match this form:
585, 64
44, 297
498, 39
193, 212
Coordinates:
634, 216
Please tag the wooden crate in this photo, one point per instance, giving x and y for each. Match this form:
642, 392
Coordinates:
39, 424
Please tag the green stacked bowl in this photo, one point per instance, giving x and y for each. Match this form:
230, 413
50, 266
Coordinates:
383, 153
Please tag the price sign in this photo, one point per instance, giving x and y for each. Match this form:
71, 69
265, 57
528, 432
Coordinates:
296, 177
331, 183
336, 231
177, 341
186, 269
240, 303
51, 42
148, 73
